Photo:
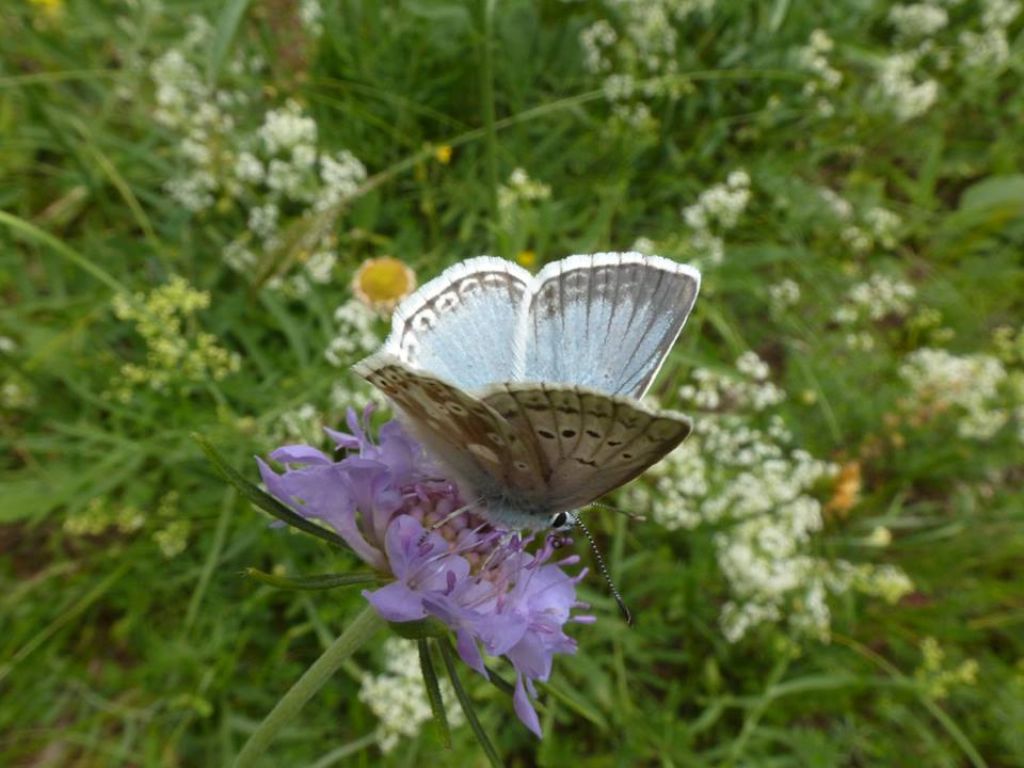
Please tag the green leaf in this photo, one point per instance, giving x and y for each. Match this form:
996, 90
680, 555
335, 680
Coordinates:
318, 582
995, 192
778, 15
264, 500
434, 693
989, 206
227, 27
448, 654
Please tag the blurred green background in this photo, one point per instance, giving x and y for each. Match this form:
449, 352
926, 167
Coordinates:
830, 572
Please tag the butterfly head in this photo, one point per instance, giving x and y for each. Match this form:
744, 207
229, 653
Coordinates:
563, 521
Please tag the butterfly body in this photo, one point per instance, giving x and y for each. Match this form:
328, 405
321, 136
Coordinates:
527, 388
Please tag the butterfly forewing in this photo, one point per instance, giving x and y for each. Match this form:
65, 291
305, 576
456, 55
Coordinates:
606, 321
462, 432
589, 443
463, 325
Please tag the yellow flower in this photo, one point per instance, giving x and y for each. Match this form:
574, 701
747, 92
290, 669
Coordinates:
526, 258
381, 283
443, 154
49, 9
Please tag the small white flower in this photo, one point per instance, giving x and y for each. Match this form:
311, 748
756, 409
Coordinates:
905, 97
784, 294
918, 19
248, 168
968, 383
263, 220
397, 696
283, 129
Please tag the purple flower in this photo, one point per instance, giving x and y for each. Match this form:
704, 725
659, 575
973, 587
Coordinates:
393, 506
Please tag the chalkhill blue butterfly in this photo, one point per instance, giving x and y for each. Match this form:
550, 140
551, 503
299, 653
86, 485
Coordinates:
527, 387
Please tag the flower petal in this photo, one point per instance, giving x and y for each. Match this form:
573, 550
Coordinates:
396, 602
469, 652
524, 708
299, 454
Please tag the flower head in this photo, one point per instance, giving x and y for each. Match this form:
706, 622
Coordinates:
395, 509
381, 283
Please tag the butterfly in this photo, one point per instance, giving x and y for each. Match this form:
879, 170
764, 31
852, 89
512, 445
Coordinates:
527, 388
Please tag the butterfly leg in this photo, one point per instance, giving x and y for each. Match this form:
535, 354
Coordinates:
447, 519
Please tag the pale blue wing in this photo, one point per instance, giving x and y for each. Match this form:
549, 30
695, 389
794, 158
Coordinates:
606, 321
462, 325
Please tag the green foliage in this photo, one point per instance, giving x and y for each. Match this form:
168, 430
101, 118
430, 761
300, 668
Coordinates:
130, 636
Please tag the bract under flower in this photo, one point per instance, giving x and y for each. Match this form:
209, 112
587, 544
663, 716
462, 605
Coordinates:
393, 506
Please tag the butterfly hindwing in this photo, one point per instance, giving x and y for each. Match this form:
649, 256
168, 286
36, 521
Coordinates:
466, 434
589, 443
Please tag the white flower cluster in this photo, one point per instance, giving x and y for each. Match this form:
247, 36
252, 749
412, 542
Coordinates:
281, 167
877, 226
397, 696
814, 58
884, 225
311, 14
595, 41
969, 383
750, 389
299, 425
520, 188
877, 297
272, 166
340, 177
988, 50
837, 204
722, 203
783, 295
356, 336
918, 20
717, 210
516, 195
638, 53
755, 488
904, 96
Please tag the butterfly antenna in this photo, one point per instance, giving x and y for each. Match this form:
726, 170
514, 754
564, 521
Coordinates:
634, 516
603, 568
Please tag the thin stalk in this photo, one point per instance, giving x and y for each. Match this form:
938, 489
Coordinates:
31, 232
313, 679
487, 106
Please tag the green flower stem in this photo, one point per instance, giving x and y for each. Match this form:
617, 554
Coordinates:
313, 679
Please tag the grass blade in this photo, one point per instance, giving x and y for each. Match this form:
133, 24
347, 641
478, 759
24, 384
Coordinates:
434, 693
318, 582
228, 21
448, 654
32, 232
